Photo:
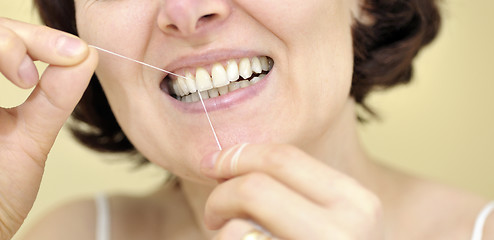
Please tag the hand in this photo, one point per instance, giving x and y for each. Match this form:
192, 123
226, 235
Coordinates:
28, 131
287, 192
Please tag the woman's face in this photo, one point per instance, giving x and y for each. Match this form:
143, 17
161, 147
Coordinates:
308, 45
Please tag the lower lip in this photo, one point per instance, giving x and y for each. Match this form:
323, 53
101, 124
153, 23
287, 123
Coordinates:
222, 102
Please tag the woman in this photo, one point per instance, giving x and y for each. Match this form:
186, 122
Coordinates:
304, 175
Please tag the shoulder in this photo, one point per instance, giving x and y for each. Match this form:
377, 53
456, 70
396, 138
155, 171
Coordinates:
130, 218
75, 220
488, 229
147, 217
450, 213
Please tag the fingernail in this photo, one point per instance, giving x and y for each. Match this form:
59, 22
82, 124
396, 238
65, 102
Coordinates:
69, 46
27, 72
209, 161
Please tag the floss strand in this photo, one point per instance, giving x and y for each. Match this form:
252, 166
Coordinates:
171, 73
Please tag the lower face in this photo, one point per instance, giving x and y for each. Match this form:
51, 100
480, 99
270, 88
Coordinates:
300, 94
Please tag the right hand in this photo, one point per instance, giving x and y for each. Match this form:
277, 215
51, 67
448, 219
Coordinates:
27, 132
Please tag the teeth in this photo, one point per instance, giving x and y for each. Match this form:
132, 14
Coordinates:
177, 90
194, 97
264, 63
214, 92
191, 83
256, 65
219, 76
244, 83
203, 80
222, 79
245, 68
182, 86
233, 86
255, 80
232, 71
204, 95
188, 98
223, 90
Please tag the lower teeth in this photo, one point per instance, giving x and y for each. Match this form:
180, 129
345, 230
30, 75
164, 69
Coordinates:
215, 92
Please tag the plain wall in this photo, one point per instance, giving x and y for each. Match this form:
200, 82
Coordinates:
439, 127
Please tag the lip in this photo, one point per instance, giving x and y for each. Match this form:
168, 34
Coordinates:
222, 102
208, 58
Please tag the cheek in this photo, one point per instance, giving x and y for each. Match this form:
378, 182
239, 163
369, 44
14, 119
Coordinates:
316, 61
160, 136
295, 20
317, 39
164, 136
319, 59
157, 134
119, 26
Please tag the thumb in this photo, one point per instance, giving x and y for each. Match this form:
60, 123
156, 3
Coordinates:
52, 101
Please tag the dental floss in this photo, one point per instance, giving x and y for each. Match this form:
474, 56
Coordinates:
256, 226
209, 120
162, 70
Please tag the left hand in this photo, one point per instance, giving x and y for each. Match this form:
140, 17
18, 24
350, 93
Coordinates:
289, 193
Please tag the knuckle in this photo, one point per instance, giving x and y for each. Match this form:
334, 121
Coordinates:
232, 224
370, 212
8, 40
38, 32
275, 156
374, 209
251, 186
223, 233
371, 203
231, 229
44, 33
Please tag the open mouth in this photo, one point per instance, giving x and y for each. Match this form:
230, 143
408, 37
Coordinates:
217, 79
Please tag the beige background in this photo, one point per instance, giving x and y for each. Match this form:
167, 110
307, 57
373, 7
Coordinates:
440, 126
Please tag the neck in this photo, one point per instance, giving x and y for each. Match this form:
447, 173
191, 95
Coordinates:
338, 146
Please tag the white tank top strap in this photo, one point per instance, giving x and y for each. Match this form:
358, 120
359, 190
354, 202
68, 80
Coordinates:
478, 229
103, 220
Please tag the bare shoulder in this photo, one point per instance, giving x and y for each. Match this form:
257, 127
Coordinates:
130, 218
489, 226
75, 220
148, 217
450, 213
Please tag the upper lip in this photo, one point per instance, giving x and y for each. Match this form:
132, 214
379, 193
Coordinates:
209, 57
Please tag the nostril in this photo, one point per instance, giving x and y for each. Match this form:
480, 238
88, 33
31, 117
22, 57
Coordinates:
208, 16
172, 27
206, 19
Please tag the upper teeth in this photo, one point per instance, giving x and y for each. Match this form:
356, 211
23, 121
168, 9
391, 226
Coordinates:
217, 83
218, 74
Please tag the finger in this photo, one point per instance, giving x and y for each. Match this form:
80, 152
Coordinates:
47, 44
310, 177
52, 101
259, 197
15, 65
234, 229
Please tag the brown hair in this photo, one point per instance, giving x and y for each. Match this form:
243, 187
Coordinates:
384, 51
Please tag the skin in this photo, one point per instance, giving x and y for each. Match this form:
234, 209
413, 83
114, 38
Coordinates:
146, 29
305, 154
27, 134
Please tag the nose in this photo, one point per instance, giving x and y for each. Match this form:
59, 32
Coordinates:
184, 18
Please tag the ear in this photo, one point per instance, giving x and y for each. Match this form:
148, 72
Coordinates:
360, 13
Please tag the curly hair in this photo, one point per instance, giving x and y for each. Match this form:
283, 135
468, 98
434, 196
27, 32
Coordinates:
383, 57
